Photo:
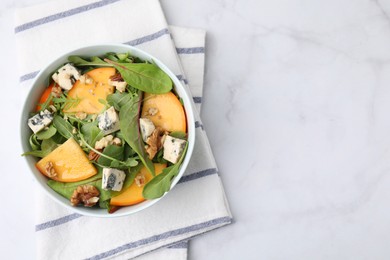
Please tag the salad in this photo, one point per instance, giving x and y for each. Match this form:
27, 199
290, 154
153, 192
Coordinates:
108, 131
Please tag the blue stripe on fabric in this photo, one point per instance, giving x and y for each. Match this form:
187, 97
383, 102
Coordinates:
193, 50
148, 38
197, 175
28, 76
198, 124
197, 100
57, 222
58, 16
135, 42
179, 245
181, 77
155, 238
67, 218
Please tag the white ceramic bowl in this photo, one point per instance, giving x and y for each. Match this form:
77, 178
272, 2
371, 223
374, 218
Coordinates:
41, 82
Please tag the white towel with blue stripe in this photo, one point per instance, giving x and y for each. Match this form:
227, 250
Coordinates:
197, 204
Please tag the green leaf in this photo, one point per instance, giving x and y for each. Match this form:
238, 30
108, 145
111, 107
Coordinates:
63, 127
144, 76
112, 151
66, 189
93, 61
161, 183
179, 134
92, 133
129, 125
34, 143
118, 99
46, 134
122, 56
130, 176
47, 146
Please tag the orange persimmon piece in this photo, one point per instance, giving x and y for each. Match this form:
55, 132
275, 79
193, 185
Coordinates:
90, 94
45, 96
69, 162
133, 194
169, 115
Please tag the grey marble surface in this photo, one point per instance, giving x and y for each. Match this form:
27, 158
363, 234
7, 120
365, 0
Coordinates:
297, 109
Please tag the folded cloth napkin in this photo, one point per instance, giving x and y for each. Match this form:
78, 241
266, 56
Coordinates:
197, 204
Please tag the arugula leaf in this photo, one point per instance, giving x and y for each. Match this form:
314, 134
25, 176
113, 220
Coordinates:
63, 127
94, 61
129, 125
144, 76
34, 143
46, 134
92, 133
161, 183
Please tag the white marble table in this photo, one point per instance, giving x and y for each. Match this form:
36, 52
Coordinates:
297, 109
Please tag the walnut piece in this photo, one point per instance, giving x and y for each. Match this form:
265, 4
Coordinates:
56, 91
85, 194
140, 180
49, 169
154, 142
81, 115
92, 156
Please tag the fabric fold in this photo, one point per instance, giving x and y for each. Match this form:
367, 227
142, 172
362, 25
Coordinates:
197, 204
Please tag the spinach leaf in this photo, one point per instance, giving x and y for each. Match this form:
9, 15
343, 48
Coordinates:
179, 134
117, 99
130, 176
113, 151
129, 125
63, 127
92, 133
159, 158
49, 145
94, 61
46, 134
66, 189
144, 76
161, 183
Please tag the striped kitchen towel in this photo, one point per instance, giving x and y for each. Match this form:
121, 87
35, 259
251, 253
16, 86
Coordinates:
197, 204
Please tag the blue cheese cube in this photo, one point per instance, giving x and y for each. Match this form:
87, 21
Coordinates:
40, 121
66, 76
147, 127
173, 148
108, 121
113, 179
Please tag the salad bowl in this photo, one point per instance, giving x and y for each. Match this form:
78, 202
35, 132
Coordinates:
42, 81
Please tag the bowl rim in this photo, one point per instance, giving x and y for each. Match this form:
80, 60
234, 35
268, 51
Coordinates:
177, 84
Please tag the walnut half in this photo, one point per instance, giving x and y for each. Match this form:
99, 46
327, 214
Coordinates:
49, 168
86, 194
154, 142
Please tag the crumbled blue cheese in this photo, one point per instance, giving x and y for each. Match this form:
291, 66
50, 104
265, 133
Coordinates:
147, 127
173, 148
66, 76
113, 179
119, 85
108, 121
40, 120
